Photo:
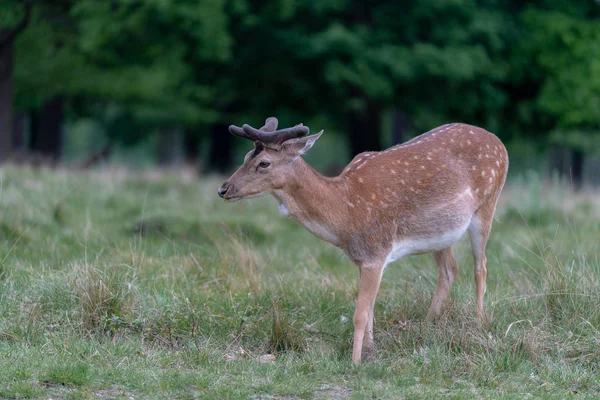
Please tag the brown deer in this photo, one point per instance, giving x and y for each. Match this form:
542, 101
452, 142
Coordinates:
417, 197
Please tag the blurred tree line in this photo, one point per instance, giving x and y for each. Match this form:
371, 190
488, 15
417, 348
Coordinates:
185, 69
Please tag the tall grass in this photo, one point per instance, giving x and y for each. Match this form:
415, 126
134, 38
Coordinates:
147, 285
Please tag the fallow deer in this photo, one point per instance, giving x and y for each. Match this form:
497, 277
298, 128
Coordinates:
417, 197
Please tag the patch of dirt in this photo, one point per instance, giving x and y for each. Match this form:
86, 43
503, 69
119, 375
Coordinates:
327, 391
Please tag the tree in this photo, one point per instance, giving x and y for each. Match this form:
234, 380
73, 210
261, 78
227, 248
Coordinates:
17, 14
133, 58
564, 48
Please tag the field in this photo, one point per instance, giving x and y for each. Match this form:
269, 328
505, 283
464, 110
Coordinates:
123, 285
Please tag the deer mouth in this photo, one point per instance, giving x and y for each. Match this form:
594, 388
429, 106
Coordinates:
233, 199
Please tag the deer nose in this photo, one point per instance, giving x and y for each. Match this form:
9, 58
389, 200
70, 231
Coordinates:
223, 190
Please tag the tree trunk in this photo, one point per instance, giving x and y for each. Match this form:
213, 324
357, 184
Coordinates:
6, 98
221, 151
7, 39
399, 127
569, 165
169, 146
365, 129
191, 146
18, 131
46, 129
577, 158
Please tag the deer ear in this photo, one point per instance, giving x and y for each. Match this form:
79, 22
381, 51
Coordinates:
301, 145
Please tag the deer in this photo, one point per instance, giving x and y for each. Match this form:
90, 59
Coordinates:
417, 197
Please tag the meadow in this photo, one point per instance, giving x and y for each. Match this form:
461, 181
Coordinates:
118, 284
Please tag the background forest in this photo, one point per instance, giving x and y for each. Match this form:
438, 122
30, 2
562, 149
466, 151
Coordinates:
150, 81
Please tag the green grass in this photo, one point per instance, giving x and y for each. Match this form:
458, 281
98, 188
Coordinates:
120, 285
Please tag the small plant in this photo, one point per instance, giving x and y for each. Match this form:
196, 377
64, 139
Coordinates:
76, 374
106, 299
284, 337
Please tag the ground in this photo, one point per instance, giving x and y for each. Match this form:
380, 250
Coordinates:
144, 285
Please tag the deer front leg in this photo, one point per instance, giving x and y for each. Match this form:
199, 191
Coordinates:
370, 277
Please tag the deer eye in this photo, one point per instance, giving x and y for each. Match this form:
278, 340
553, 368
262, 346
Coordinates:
264, 164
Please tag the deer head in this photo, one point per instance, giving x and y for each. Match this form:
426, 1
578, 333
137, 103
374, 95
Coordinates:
266, 167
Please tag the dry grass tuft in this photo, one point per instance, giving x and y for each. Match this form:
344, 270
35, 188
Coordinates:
284, 336
106, 298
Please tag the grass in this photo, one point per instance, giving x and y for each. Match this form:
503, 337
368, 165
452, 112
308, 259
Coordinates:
120, 285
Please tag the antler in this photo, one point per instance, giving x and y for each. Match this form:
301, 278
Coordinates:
268, 135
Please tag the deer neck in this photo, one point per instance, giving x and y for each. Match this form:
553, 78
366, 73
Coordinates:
313, 200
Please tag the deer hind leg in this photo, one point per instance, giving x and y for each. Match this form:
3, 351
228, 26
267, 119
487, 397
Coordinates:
479, 232
447, 270
370, 278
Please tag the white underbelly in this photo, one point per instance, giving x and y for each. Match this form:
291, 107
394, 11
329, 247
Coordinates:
417, 245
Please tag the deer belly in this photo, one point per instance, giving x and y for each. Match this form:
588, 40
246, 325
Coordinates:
425, 244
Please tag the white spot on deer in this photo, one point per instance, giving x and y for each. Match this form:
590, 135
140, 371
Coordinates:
493, 172
283, 210
392, 171
477, 190
360, 180
487, 155
350, 204
406, 163
402, 181
468, 142
487, 146
479, 156
473, 168
429, 158
490, 180
471, 132
412, 189
482, 173
359, 167
497, 163
416, 157
373, 196
358, 161
418, 141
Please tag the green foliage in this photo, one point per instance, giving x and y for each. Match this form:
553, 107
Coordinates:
587, 142
136, 66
